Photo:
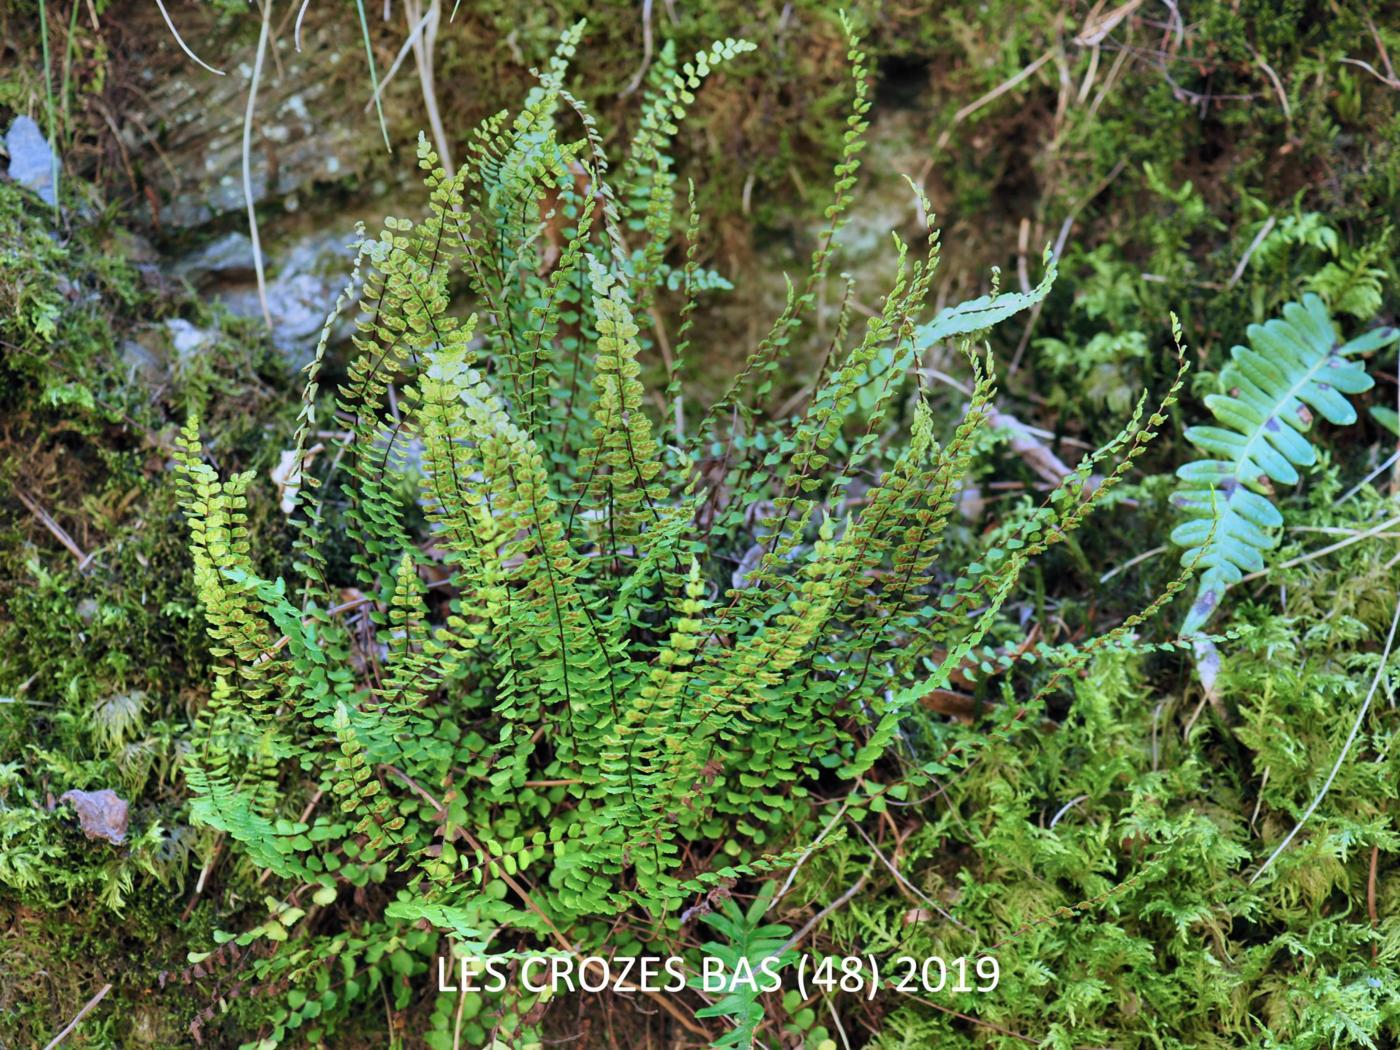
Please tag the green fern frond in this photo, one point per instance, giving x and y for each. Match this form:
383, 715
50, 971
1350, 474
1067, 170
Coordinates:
1294, 366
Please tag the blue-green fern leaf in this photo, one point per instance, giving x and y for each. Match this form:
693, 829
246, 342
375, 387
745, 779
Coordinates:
1295, 366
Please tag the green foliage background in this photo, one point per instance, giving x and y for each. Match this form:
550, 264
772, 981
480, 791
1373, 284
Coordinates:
1105, 847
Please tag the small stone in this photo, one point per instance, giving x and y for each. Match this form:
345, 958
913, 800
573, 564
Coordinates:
228, 256
306, 276
142, 363
186, 339
32, 162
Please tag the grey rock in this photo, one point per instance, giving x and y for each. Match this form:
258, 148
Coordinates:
309, 273
31, 158
306, 266
298, 304
187, 340
229, 256
310, 128
142, 363
159, 351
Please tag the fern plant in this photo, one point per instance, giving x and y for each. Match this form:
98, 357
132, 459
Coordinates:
598, 719
750, 959
1294, 366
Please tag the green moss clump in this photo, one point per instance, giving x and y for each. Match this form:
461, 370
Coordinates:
101, 650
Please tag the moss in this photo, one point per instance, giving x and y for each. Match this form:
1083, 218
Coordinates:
1106, 854
100, 647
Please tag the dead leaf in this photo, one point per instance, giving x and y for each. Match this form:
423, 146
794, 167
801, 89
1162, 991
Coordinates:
101, 813
288, 472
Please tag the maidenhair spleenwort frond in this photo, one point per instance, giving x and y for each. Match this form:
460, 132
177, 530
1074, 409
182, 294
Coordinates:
554, 706
761, 365
1294, 366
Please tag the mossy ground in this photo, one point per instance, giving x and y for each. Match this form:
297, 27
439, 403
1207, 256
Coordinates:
101, 650
1199, 155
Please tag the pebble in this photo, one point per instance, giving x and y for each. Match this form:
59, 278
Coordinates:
32, 161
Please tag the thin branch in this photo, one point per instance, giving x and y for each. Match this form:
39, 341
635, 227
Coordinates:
836, 905
398, 59
646, 52
792, 875
1387, 81
58, 531
905, 882
1131, 562
1371, 891
81, 1014
1390, 462
1393, 80
1249, 253
1066, 808
991, 96
423, 56
1278, 88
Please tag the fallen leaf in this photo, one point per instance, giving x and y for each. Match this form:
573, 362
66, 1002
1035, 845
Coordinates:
101, 813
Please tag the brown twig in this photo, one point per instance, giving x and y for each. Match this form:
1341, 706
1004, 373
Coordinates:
305, 813
84, 560
81, 1014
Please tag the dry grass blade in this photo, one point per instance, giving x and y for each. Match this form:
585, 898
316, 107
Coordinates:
990, 96
1249, 253
641, 73
180, 40
1375, 530
48, 106
1097, 26
81, 1014
408, 45
296, 30
1346, 749
373, 72
248, 161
